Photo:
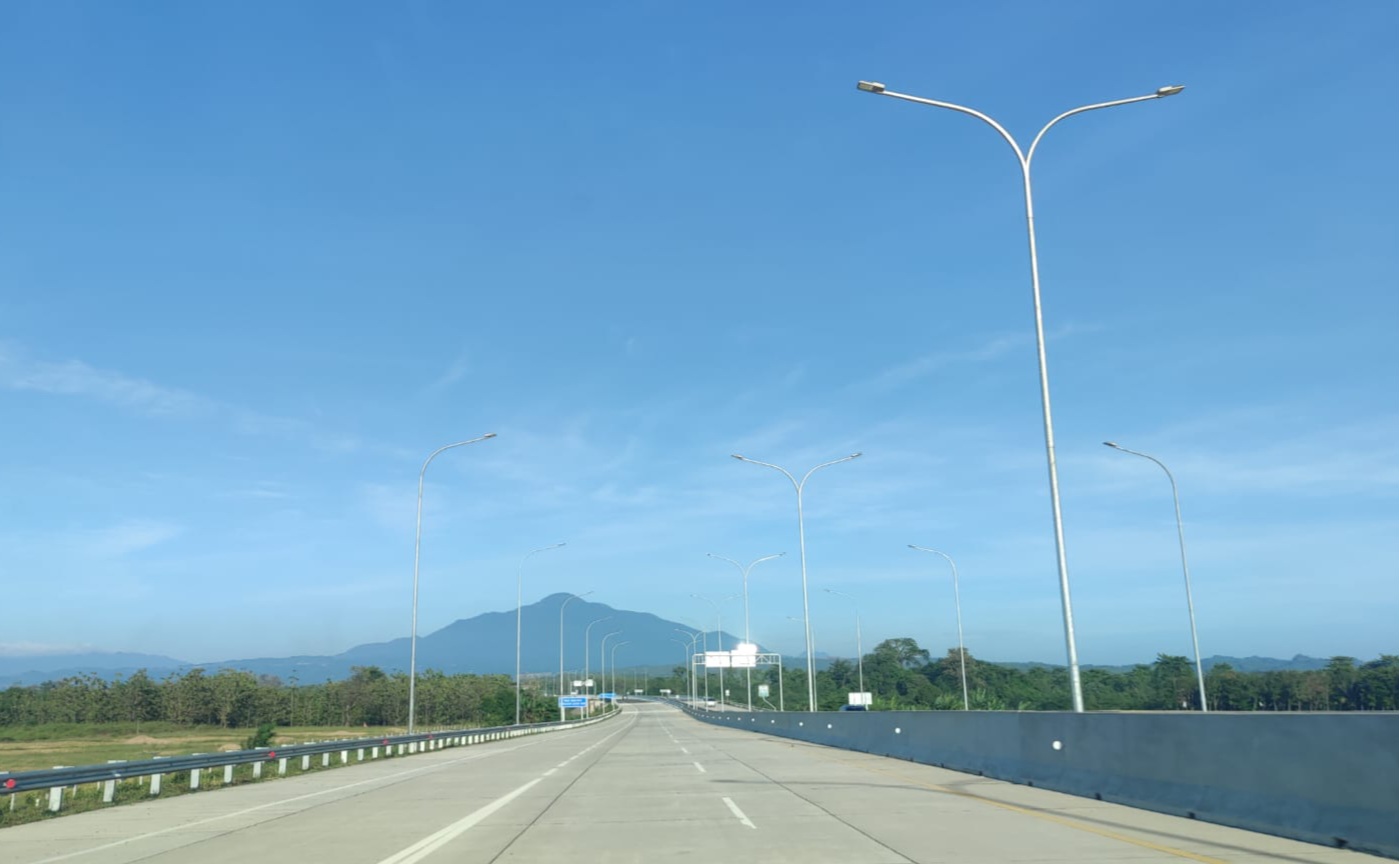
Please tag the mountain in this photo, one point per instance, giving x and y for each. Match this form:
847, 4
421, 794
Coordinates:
484, 644
38, 668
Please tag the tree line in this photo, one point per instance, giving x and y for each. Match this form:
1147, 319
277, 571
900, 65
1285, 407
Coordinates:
901, 675
238, 699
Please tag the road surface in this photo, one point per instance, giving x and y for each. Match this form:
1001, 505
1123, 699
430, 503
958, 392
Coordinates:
652, 785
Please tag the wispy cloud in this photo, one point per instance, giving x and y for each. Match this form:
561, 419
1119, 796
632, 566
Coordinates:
41, 649
76, 378
460, 367
926, 365
128, 537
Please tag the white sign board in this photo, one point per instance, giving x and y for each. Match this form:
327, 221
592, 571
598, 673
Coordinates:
665, 692
577, 683
861, 698
717, 660
589, 682
763, 691
744, 661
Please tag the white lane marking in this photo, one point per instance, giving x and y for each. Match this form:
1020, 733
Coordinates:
185, 825
739, 813
430, 844
701, 768
561, 765
550, 771
685, 751
484, 754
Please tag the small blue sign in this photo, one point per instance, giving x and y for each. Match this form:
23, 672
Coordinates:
607, 696
573, 701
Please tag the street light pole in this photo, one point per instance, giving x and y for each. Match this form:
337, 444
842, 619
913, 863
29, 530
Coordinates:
957, 597
614, 669
417, 549
588, 649
747, 631
859, 646
1184, 566
719, 615
690, 661
602, 657
801, 541
519, 607
563, 606
1024, 157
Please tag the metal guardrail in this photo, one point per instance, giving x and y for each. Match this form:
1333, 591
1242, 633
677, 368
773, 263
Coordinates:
58, 778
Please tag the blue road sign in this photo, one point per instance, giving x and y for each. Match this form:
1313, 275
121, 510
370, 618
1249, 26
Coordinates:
573, 701
607, 695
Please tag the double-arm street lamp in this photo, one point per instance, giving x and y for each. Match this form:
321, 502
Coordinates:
1024, 157
519, 606
1184, 566
801, 542
957, 599
417, 549
747, 631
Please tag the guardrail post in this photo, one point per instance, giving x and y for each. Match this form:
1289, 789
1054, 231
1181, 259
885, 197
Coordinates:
306, 763
155, 784
374, 754
109, 788
194, 779
344, 756
228, 775
325, 760
56, 795
359, 755
257, 770
400, 750
282, 767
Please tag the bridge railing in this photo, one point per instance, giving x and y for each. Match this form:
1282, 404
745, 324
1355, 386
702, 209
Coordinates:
1328, 778
56, 780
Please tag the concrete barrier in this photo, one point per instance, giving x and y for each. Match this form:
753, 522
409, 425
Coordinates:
1329, 778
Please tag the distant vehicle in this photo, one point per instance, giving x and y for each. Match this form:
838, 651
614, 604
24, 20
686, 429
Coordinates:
710, 703
854, 708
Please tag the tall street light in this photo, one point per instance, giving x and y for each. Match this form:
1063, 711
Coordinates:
519, 608
719, 615
690, 661
801, 542
563, 606
957, 598
747, 631
1024, 157
602, 656
614, 669
685, 646
417, 549
588, 648
859, 645
1184, 566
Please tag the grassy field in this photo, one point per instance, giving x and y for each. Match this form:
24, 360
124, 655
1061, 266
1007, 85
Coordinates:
24, 748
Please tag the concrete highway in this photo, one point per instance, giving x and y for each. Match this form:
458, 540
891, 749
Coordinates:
652, 785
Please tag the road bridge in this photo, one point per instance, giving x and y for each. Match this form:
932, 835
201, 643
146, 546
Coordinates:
652, 785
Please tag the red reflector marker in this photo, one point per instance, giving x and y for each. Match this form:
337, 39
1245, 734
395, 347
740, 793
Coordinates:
271, 754
10, 784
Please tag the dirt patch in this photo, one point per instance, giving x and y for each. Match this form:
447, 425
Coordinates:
229, 747
141, 739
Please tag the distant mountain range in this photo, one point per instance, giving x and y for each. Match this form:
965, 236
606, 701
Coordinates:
485, 644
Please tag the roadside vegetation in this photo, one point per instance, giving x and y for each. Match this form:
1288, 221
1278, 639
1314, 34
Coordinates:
903, 676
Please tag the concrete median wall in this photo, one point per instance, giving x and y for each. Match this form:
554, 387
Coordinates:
1320, 777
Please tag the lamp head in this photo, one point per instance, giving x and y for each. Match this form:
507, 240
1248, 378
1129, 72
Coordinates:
870, 86
488, 435
1170, 90
1113, 444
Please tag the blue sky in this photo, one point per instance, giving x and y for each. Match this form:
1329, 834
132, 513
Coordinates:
258, 259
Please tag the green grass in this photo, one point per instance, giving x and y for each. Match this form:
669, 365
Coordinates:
25, 748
